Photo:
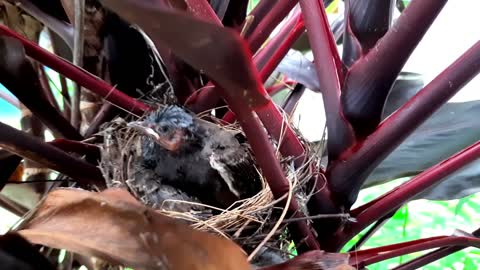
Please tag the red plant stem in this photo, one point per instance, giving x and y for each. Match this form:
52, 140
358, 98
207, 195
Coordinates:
372, 230
348, 173
266, 16
78, 75
258, 12
366, 257
410, 189
428, 258
268, 58
280, 130
432, 256
330, 75
268, 162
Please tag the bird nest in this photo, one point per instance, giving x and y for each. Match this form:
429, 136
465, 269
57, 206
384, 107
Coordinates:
258, 224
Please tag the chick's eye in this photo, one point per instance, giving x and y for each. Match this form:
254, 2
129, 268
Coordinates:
164, 129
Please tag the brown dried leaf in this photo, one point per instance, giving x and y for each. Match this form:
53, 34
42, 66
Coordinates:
113, 226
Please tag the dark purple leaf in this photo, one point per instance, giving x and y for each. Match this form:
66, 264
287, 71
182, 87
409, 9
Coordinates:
404, 88
367, 22
338, 27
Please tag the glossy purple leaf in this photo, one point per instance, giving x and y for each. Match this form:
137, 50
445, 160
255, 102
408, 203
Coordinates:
367, 22
452, 128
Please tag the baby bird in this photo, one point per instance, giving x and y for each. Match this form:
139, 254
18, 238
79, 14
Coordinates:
197, 157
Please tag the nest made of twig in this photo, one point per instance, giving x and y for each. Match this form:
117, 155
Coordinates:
247, 222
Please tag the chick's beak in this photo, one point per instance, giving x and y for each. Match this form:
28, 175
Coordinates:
171, 142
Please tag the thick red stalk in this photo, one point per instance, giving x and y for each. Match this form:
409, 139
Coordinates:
410, 189
278, 127
347, 174
260, 10
266, 16
330, 75
78, 75
268, 58
366, 257
370, 79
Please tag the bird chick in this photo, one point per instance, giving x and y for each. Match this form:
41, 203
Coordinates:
197, 157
